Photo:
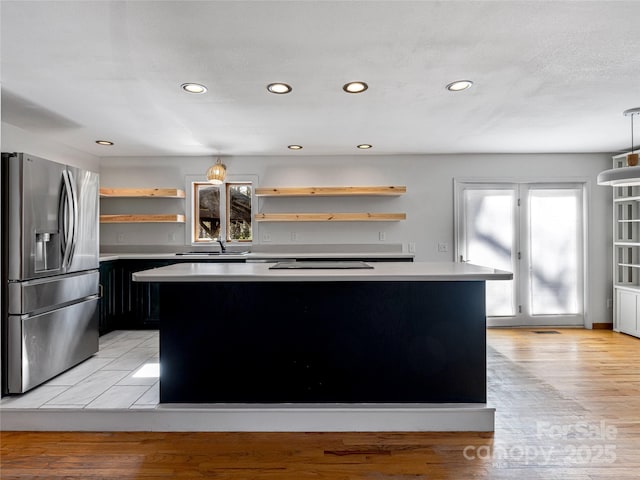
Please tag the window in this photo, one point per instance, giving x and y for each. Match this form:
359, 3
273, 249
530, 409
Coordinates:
206, 212
239, 212
222, 212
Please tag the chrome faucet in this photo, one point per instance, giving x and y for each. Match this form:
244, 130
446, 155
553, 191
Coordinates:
222, 247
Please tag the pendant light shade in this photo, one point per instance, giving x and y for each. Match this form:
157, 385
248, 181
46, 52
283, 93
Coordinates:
626, 176
217, 173
620, 177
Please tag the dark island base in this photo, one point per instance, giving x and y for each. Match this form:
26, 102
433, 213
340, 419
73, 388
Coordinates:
323, 342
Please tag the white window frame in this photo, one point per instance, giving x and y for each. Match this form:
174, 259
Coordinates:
190, 226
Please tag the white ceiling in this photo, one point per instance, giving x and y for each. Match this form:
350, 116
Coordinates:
549, 76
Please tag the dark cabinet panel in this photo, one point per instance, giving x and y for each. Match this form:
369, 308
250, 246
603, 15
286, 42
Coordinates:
323, 342
137, 303
108, 302
129, 305
123, 303
143, 297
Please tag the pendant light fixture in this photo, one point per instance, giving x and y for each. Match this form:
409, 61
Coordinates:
217, 173
629, 175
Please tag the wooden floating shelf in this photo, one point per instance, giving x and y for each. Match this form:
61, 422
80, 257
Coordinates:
330, 217
141, 193
329, 191
164, 218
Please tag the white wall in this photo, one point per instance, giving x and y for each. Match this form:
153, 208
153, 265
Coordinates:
15, 139
428, 202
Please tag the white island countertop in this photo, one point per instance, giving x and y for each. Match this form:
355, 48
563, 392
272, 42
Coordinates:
261, 272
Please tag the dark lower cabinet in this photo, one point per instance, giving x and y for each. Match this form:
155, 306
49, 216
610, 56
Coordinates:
141, 299
125, 304
108, 302
129, 305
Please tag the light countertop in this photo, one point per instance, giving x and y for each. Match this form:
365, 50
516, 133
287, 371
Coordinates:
260, 272
104, 257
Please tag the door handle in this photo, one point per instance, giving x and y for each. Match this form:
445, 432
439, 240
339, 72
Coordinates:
66, 220
74, 216
462, 260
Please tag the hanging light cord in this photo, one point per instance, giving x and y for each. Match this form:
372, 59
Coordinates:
632, 132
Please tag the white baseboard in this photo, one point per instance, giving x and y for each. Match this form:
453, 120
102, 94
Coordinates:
258, 418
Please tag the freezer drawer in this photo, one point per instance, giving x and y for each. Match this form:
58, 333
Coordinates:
42, 346
38, 296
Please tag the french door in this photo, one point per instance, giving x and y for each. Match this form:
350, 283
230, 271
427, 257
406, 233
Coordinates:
536, 231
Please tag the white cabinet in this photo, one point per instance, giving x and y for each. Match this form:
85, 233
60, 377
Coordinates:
626, 255
627, 303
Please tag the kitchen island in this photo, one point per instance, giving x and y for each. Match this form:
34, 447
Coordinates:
395, 335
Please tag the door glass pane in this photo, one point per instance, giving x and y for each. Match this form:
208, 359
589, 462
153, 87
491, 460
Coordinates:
490, 237
555, 250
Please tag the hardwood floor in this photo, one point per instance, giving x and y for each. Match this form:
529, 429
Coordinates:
568, 407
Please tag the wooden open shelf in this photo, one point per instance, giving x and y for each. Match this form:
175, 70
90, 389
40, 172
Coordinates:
329, 191
133, 218
141, 193
330, 217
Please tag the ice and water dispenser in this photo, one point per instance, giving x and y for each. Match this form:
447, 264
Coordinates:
47, 254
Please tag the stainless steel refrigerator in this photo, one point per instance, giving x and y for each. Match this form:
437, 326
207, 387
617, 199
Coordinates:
50, 273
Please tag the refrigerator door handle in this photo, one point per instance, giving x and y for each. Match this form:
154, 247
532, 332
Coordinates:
74, 216
66, 208
62, 217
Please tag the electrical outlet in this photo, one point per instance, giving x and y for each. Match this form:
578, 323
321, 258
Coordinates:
382, 236
443, 247
121, 238
266, 237
412, 247
609, 303
172, 237
294, 236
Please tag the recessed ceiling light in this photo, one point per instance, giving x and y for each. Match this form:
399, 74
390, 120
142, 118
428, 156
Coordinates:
294, 147
459, 85
355, 87
279, 88
104, 142
364, 146
193, 88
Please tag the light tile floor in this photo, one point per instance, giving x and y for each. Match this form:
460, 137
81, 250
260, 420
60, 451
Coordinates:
103, 381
